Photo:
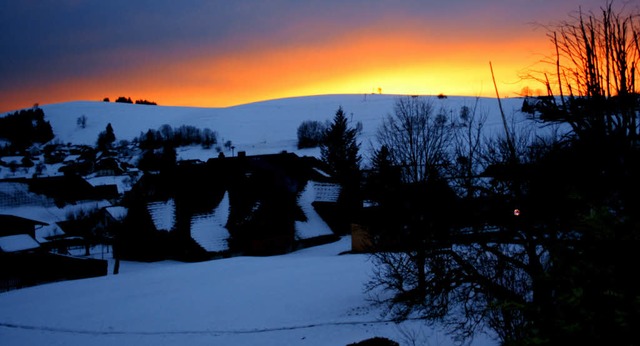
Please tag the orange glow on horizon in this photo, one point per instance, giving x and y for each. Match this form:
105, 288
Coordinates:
359, 63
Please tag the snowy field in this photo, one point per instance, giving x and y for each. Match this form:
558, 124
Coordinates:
311, 297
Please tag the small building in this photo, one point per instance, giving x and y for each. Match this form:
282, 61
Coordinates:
12, 225
252, 205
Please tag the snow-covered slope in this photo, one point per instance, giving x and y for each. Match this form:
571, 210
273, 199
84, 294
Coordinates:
311, 297
257, 128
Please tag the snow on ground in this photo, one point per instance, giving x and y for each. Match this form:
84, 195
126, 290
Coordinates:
311, 297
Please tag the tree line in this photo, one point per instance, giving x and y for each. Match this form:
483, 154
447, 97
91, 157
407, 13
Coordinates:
24, 128
124, 99
177, 136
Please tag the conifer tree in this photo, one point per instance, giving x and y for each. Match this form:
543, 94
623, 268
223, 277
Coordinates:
106, 138
340, 150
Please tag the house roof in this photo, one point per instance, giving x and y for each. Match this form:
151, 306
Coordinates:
117, 212
209, 233
71, 158
321, 172
163, 214
314, 226
9, 159
11, 224
69, 188
18, 242
123, 182
326, 192
48, 232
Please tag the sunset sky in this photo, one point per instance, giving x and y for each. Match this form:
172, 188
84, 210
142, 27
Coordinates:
222, 53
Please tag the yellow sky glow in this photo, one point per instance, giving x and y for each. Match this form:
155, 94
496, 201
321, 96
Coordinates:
396, 63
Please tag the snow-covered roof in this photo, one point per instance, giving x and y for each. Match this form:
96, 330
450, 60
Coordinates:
321, 172
163, 214
71, 158
314, 226
326, 192
9, 159
122, 182
44, 233
18, 242
209, 231
117, 212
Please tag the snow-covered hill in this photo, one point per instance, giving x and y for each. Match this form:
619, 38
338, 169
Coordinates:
256, 128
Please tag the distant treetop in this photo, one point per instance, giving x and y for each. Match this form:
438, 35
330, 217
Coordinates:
123, 99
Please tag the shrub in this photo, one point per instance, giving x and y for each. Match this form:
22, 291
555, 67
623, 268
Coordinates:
310, 134
82, 121
376, 341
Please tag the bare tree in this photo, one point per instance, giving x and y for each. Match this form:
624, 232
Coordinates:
592, 86
82, 121
417, 138
474, 274
545, 273
467, 145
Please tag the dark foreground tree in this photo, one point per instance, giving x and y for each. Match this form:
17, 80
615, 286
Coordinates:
592, 86
597, 54
548, 255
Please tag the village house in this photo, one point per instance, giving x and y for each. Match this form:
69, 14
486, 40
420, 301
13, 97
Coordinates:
256, 205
